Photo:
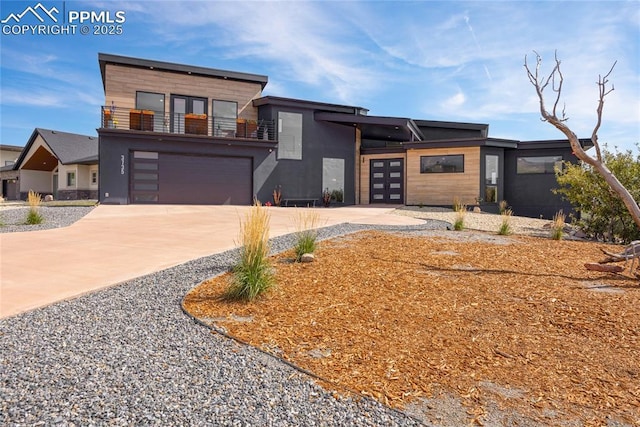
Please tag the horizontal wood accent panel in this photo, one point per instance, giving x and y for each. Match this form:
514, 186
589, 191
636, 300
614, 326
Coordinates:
365, 172
441, 188
121, 84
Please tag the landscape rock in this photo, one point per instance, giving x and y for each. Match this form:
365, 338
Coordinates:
606, 268
307, 258
48, 198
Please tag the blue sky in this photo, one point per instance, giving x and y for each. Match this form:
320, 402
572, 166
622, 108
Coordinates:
449, 60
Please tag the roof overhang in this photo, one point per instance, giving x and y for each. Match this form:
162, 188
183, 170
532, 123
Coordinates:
104, 59
376, 127
466, 142
586, 144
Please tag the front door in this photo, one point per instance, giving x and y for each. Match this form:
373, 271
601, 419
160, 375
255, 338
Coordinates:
55, 186
387, 181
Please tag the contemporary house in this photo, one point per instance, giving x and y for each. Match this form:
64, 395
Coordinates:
62, 164
172, 133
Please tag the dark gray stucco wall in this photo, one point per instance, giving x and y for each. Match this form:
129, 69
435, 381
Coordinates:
530, 194
303, 178
114, 149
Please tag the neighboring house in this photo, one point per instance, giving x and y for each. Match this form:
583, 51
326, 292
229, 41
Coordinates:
62, 164
9, 177
172, 133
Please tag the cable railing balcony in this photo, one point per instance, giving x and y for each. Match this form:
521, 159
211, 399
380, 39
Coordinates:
187, 124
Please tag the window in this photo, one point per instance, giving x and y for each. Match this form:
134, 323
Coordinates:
94, 177
225, 114
150, 101
442, 164
9, 163
71, 179
332, 174
538, 165
289, 136
491, 175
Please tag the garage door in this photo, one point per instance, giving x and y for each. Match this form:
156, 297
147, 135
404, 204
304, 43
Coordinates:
188, 179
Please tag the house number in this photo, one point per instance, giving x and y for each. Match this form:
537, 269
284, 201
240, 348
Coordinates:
122, 164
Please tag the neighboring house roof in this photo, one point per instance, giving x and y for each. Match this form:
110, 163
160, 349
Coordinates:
104, 59
15, 148
68, 148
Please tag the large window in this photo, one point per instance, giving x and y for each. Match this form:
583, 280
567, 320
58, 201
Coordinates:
225, 114
442, 164
149, 112
538, 165
289, 136
150, 101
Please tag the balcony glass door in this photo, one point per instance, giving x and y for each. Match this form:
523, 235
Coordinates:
188, 114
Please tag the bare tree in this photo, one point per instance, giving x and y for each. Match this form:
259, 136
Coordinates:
555, 79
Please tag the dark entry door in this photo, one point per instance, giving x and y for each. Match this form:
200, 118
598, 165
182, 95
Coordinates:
387, 181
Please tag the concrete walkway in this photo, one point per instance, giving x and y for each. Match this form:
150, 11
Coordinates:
114, 244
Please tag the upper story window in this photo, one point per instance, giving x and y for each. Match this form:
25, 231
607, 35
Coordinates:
150, 101
538, 165
289, 136
225, 114
442, 164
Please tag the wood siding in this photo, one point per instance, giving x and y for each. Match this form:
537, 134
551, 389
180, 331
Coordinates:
439, 189
122, 82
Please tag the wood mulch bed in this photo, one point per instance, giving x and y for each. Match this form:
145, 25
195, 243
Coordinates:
513, 328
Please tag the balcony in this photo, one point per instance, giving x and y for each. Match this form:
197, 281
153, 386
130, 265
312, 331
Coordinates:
187, 124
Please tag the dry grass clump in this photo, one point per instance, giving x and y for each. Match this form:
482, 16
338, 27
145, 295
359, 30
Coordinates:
505, 227
461, 211
306, 223
557, 225
253, 274
34, 200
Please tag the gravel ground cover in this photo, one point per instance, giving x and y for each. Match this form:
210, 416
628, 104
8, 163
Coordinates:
128, 355
12, 219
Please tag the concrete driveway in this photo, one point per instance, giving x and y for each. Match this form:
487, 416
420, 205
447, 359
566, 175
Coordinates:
114, 244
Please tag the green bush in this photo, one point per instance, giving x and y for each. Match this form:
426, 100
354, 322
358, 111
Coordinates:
34, 217
603, 214
253, 273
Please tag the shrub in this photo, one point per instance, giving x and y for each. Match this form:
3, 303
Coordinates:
503, 206
457, 204
338, 195
277, 195
306, 233
253, 273
557, 225
505, 227
458, 225
34, 200
603, 215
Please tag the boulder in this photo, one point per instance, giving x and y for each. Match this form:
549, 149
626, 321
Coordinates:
48, 198
307, 258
